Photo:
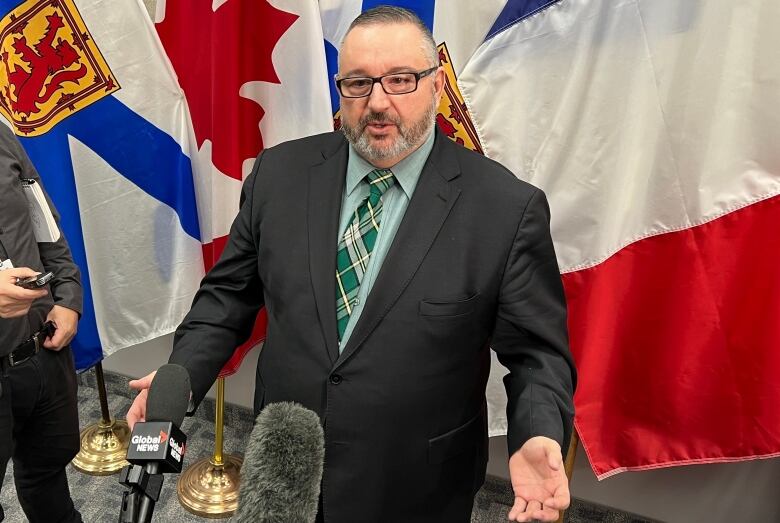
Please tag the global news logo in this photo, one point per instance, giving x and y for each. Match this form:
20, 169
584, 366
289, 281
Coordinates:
149, 443
177, 450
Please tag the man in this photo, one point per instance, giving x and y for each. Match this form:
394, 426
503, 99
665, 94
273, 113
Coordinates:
386, 335
39, 425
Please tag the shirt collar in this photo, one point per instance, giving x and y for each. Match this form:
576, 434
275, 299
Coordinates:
407, 171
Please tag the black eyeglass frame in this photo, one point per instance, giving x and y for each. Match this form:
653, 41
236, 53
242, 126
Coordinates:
378, 80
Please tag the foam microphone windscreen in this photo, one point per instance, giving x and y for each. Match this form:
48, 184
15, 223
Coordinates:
282, 469
169, 395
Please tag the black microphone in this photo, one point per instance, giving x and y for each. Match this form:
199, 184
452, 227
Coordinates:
157, 445
282, 469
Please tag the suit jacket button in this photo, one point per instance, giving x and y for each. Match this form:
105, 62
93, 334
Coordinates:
335, 379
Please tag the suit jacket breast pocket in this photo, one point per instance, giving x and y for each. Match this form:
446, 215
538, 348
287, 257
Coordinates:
448, 307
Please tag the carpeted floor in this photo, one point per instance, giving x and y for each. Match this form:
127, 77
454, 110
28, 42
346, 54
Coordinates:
98, 498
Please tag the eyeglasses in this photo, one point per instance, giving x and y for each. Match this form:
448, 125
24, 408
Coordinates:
394, 83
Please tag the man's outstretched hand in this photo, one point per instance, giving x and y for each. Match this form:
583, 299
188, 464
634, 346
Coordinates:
539, 482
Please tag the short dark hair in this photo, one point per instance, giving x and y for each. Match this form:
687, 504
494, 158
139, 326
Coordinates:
387, 14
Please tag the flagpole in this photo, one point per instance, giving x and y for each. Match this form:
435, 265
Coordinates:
101, 386
568, 464
209, 487
103, 444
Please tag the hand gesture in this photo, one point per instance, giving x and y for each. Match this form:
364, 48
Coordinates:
66, 320
14, 300
538, 480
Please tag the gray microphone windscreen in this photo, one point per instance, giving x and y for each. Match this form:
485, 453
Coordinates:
282, 469
169, 395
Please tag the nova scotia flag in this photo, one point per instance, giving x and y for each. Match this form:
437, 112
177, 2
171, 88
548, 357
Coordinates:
88, 89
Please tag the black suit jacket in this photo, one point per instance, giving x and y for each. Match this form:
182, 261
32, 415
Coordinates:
403, 406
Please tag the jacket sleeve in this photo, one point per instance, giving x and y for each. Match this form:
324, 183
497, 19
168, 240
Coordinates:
530, 336
56, 257
226, 305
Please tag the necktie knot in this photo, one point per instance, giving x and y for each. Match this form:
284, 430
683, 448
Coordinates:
380, 180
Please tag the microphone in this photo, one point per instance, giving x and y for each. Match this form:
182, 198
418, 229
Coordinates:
157, 445
282, 469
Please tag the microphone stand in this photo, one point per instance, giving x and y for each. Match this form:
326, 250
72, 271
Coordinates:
144, 486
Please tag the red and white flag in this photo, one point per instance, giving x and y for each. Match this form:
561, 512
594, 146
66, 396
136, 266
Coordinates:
254, 75
653, 128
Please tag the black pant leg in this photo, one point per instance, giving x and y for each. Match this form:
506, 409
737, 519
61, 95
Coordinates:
6, 428
46, 434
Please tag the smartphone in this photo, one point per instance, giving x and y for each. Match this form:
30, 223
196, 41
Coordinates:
35, 282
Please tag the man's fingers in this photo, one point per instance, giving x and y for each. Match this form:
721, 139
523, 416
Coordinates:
55, 342
25, 295
21, 272
59, 339
546, 514
12, 275
142, 383
560, 501
137, 411
517, 509
531, 508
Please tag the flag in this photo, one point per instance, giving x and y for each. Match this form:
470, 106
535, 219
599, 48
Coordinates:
86, 86
653, 127
253, 72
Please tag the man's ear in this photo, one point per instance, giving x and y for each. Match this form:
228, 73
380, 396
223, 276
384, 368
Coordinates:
438, 82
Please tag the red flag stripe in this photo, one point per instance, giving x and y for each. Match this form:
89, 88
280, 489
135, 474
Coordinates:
676, 336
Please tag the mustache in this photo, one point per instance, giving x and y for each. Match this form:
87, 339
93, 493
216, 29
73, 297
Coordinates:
378, 117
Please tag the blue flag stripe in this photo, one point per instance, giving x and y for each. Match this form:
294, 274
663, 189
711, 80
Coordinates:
515, 11
142, 153
332, 61
8, 5
423, 8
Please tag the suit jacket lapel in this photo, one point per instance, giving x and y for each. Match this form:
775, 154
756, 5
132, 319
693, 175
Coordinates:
326, 187
428, 209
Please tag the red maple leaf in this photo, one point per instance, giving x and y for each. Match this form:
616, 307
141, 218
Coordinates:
214, 54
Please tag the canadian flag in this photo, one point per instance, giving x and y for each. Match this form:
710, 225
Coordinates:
254, 75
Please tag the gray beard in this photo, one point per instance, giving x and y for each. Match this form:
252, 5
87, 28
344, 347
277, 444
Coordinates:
408, 137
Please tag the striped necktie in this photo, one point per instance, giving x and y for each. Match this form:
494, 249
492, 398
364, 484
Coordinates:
356, 246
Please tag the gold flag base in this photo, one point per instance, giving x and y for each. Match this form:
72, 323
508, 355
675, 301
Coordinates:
103, 448
209, 487
209, 490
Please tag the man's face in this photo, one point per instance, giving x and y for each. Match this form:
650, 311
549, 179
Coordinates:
384, 128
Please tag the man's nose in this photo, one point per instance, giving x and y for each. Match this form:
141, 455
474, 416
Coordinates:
378, 99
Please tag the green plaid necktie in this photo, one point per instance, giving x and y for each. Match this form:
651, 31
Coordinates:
356, 246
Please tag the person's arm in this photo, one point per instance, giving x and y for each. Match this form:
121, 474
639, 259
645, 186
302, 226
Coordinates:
530, 339
66, 290
226, 305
